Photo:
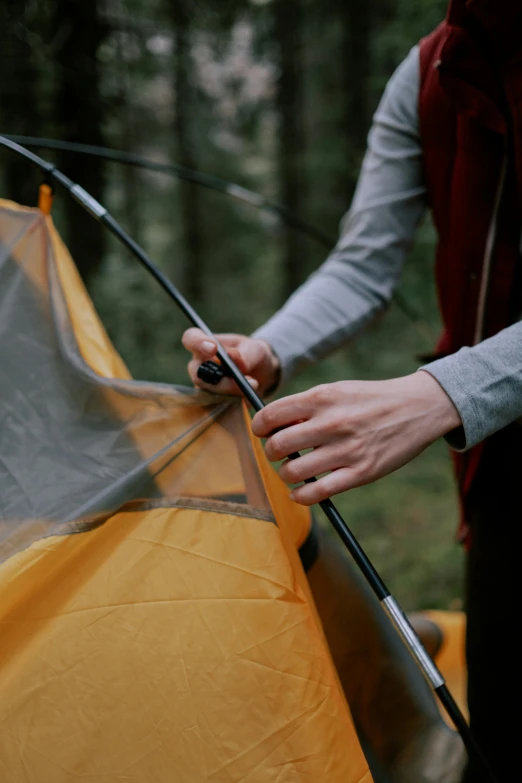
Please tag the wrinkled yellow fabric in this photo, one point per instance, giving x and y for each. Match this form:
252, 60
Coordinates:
167, 645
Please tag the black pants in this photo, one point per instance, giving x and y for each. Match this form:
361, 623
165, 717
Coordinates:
494, 577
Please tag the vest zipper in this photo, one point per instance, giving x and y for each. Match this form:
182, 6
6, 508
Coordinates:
488, 255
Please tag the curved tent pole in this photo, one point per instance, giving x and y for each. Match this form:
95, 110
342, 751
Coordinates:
245, 195
238, 192
388, 602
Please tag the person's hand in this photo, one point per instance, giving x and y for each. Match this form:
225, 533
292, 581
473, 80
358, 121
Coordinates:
253, 357
359, 431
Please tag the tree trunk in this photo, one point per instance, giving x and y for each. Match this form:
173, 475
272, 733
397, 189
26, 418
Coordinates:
356, 28
288, 19
19, 99
128, 142
185, 148
79, 114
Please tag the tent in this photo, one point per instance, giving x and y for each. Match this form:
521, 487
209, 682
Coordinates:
157, 623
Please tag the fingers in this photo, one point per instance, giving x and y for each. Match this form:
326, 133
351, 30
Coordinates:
282, 413
227, 386
249, 355
316, 462
302, 435
199, 344
237, 359
326, 487
203, 348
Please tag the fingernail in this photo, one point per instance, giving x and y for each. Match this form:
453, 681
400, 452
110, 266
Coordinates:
292, 497
208, 347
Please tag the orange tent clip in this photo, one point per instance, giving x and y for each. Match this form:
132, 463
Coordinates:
45, 198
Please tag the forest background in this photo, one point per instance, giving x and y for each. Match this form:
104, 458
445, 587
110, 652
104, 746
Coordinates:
273, 95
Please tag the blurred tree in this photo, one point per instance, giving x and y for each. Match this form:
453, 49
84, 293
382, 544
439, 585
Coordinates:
288, 23
79, 114
356, 18
20, 82
125, 134
191, 217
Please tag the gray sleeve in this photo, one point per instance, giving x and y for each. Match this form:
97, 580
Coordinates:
357, 279
485, 385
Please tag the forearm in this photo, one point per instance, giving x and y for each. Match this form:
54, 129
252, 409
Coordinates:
329, 309
485, 385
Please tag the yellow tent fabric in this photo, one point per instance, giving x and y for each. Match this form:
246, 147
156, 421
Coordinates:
156, 624
450, 653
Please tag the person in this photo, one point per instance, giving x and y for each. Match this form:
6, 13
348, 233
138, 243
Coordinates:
447, 136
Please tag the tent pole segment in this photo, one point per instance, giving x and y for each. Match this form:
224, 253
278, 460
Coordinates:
238, 192
388, 602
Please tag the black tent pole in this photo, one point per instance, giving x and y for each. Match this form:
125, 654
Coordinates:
238, 192
388, 602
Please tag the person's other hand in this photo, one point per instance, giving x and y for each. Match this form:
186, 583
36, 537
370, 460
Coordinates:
253, 357
358, 431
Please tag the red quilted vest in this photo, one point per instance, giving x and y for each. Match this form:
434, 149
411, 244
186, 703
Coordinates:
470, 110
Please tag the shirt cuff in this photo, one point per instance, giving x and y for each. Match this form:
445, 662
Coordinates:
282, 349
446, 373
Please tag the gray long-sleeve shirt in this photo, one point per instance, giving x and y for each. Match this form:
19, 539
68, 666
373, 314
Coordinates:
358, 278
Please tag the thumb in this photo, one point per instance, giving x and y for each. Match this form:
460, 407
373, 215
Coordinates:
238, 360
250, 355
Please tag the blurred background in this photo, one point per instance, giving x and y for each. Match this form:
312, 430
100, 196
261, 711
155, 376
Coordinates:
275, 96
